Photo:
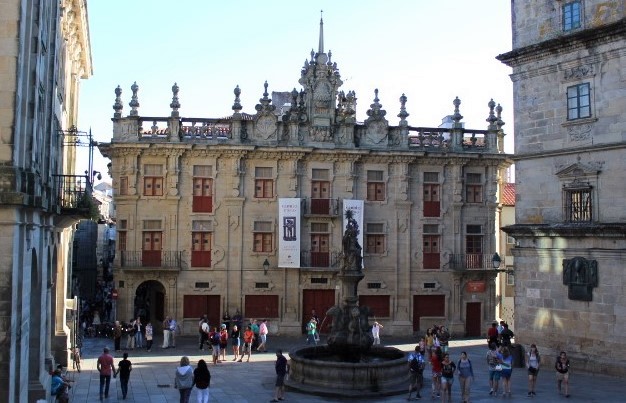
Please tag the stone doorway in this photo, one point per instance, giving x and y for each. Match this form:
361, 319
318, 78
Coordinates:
149, 303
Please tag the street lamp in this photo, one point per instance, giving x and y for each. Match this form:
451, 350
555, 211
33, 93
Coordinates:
496, 260
266, 266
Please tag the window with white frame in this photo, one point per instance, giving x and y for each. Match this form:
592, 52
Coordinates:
201, 240
578, 101
572, 16
153, 180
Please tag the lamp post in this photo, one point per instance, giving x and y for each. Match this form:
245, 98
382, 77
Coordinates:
266, 266
496, 260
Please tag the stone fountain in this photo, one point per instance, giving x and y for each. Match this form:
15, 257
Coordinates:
349, 365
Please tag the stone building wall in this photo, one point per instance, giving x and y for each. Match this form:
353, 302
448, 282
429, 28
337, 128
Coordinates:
570, 204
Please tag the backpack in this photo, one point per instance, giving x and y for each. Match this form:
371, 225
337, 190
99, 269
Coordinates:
416, 365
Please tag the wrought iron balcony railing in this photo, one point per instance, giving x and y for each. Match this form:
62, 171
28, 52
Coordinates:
309, 259
157, 259
471, 261
321, 207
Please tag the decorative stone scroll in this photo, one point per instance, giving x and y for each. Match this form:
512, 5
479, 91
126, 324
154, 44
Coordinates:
581, 276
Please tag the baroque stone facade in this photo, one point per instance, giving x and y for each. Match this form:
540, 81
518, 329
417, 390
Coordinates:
568, 77
197, 208
44, 52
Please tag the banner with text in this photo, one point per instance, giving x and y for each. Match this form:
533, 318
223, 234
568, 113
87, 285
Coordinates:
357, 208
289, 232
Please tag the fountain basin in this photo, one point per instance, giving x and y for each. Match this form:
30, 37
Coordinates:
381, 371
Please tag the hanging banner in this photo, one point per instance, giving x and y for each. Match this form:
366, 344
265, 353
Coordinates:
356, 206
289, 232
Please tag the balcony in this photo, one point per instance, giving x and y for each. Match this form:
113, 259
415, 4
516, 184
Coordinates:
321, 207
471, 261
159, 259
73, 195
328, 260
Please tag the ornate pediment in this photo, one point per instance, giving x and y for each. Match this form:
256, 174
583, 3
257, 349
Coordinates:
578, 170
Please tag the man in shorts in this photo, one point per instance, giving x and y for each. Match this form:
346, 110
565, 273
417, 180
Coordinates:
416, 372
281, 371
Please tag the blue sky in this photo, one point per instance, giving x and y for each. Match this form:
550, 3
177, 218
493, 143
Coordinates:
432, 51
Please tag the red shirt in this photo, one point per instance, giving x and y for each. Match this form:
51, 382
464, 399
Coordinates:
106, 362
436, 363
492, 332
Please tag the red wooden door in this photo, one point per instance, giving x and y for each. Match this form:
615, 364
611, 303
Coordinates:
427, 305
320, 301
473, 324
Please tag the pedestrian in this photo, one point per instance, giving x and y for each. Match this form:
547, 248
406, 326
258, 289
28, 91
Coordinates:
202, 381
223, 341
130, 335
214, 339
166, 332
533, 360
117, 335
203, 331
466, 376
310, 332
444, 339
506, 362
248, 339
447, 378
235, 337
492, 334
226, 320
282, 368
263, 331
59, 386
506, 335
123, 370
255, 329
494, 369
422, 346
317, 324
183, 381
138, 333
562, 373
173, 331
435, 362
416, 365
149, 336
376, 332
430, 342
106, 368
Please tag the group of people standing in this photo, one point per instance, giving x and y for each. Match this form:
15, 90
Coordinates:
430, 349
254, 337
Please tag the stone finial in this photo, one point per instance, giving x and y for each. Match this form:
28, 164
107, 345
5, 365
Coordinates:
499, 122
492, 119
403, 113
237, 105
330, 54
118, 106
175, 105
457, 114
265, 102
134, 101
301, 102
376, 111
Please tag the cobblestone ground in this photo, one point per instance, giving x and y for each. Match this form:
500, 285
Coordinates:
152, 378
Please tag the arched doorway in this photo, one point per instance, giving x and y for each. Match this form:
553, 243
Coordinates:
149, 303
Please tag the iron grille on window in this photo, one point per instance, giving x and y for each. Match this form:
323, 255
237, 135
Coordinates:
578, 205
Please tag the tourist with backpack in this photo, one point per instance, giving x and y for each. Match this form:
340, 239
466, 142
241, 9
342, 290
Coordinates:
214, 339
416, 365
466, 375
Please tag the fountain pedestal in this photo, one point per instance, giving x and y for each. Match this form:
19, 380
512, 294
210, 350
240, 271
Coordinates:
349, 366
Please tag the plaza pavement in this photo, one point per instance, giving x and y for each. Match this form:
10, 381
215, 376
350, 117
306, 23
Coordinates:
152, 378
